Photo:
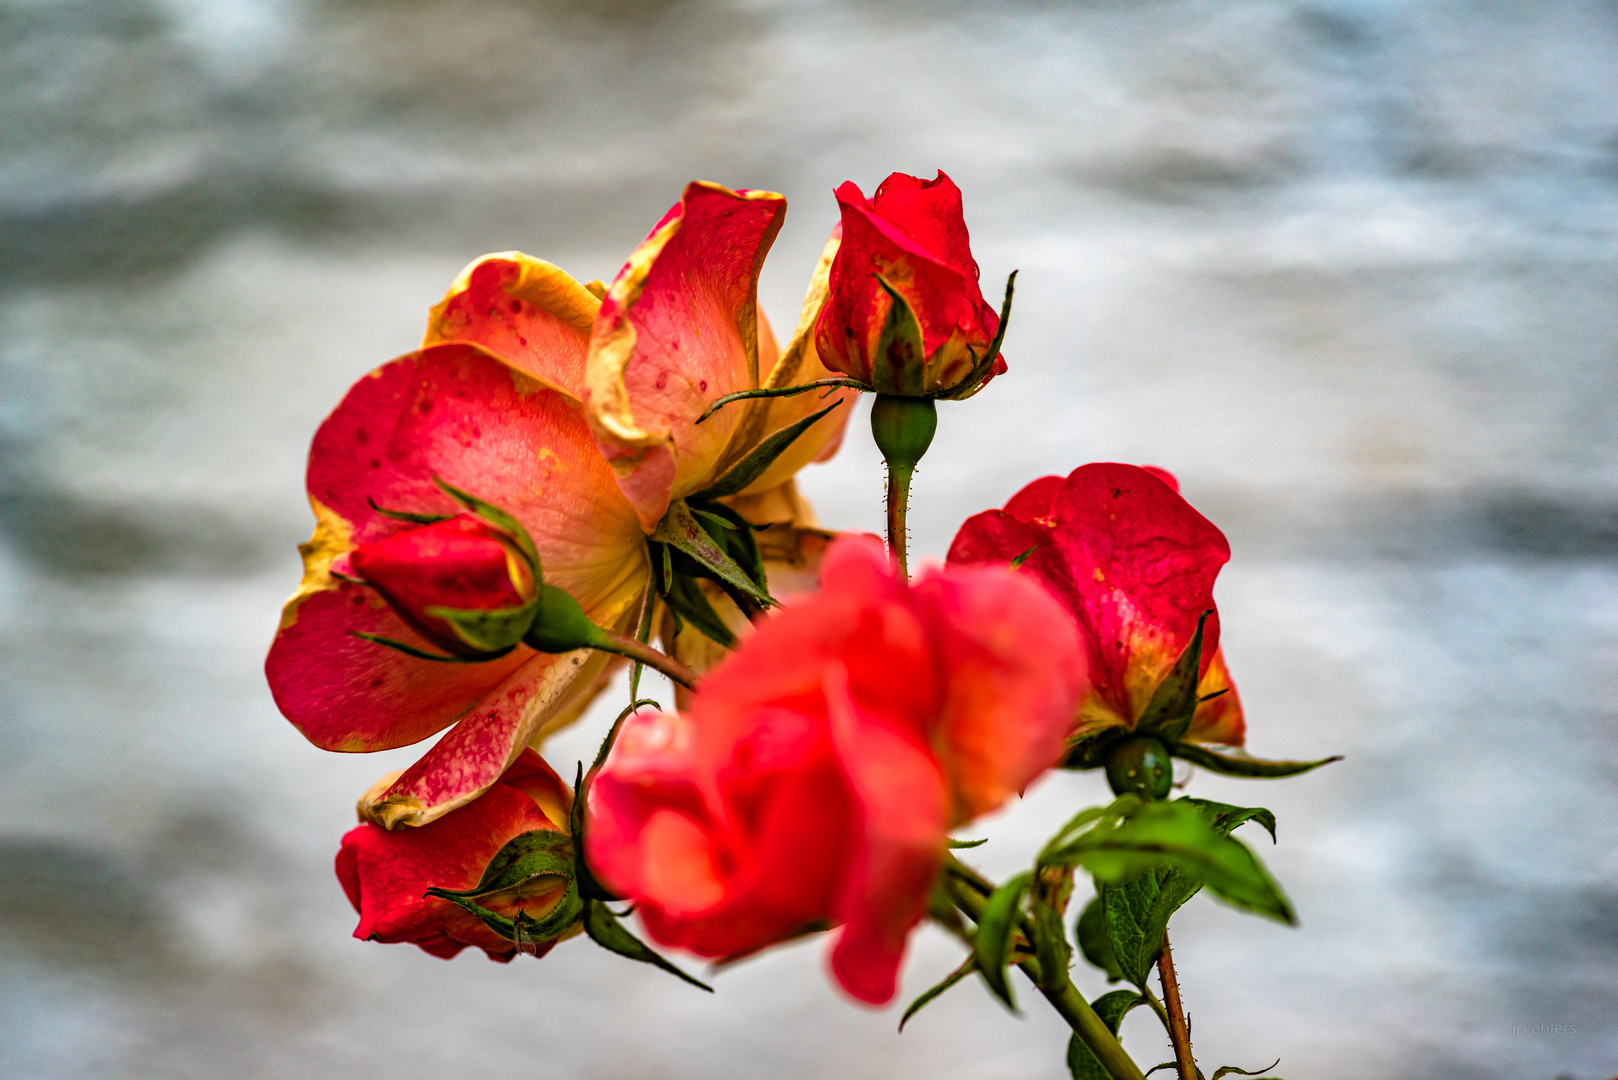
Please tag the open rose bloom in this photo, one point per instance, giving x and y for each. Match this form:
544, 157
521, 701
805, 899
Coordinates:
816, 775
574, 410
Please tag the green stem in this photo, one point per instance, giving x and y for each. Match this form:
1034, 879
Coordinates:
642, 634
623, 645
1061, 993
1157, 1007
898, 502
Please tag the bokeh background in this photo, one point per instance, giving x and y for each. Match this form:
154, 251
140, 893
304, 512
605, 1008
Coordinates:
1347, 266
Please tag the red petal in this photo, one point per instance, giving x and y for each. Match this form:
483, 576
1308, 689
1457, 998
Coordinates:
928, 212
678, 329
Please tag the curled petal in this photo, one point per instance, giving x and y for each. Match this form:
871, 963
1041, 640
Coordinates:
530, 313
679, 328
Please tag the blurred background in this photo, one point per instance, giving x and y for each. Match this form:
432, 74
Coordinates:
1348, 267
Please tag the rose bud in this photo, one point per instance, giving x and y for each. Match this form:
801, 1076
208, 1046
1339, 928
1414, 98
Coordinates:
905, 315
462, 565
387, 875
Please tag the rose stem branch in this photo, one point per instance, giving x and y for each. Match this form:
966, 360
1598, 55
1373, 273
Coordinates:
642, 634
644, 654
1179, 1032
1060, 992
903, 428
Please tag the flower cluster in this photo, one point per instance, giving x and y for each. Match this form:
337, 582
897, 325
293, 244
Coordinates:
506, 514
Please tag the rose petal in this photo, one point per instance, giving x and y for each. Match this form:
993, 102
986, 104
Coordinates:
530, 313
678, 329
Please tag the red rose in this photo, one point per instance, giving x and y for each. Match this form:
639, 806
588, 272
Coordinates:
463, 563
907, 244
386, 873
1135, 564
818, 770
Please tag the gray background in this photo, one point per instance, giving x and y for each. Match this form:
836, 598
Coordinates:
1347, 267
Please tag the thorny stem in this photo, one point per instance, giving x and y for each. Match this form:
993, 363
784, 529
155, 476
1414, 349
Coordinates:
1062, 994
898, 501
1179, 1032
644, 654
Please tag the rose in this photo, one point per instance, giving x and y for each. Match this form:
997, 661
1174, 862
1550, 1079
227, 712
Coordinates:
387, 873
905, 314
576, 417
819, 769
1134, 564
462, 563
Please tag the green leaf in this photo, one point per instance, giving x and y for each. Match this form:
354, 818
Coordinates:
605, 930
1225, 818
1082, 1064
499, 519
1226, 1070
760, 458
423, 654
1091, 930
1174, 702
405, 515
680, 530
1125, 840
1232, 765
687, 600
1136, 914
491, 630
1086, 823
1051, 947
782, 391
991, 945
927, 997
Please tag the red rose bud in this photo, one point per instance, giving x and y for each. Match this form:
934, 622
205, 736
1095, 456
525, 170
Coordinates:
387, 874
904, 314
463, 584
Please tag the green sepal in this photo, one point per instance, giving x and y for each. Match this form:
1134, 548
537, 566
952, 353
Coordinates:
1096, 947
738, 539
560, 624
687, 600
783, 391
981, 370
1256, 768
605, 930
491, 630
407, 516
991, 944
680, 530
960, 844
926, 998
899, 367
1051, 947
1174, 702
1082, 1064
1129, 837
589, 888
423, 654
524, 928
499, 519
760, 458
1016, 564
539, 853
1225, 1070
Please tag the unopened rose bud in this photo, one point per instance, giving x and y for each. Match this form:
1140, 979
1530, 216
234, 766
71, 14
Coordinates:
905, 314
437, 575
